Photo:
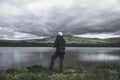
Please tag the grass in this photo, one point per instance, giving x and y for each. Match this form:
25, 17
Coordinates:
70, 42
36, 72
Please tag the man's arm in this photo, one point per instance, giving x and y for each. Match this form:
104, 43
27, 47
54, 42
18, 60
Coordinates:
64, 43
55, 43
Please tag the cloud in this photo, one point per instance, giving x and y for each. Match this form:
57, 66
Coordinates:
98, 35
10, 34
46, 17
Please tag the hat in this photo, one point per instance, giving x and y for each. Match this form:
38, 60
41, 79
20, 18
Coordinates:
60, 34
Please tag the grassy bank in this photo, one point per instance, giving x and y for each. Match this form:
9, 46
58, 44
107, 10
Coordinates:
70, 42
103, 72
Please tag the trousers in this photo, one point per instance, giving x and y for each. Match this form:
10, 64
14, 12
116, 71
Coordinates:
53, 58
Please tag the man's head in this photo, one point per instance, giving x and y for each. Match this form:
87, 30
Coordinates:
59, 34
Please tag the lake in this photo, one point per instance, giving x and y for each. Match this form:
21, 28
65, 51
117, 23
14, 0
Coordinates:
27, 56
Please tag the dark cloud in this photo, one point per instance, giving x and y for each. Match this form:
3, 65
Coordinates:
36, 18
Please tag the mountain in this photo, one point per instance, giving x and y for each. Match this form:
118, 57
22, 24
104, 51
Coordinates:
70, 41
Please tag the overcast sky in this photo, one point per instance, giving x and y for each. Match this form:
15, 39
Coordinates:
22, 19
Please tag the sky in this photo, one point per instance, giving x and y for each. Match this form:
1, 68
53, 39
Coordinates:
27, 19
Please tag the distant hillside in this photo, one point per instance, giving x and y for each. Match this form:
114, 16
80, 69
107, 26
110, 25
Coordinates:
70, 41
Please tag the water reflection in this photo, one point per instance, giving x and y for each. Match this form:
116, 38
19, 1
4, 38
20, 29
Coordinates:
24, 56
98, 57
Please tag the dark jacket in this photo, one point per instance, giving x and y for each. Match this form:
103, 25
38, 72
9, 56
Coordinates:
59, 44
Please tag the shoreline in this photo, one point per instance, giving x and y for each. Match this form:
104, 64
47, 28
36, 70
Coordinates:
67, 46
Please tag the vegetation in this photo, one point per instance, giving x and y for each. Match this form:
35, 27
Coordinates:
70, 41
36, 72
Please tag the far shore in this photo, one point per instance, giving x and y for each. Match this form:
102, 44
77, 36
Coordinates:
68, 45
70, 42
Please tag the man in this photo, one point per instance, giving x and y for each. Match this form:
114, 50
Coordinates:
60, 51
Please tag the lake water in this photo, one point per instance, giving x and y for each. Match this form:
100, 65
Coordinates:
25, 56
